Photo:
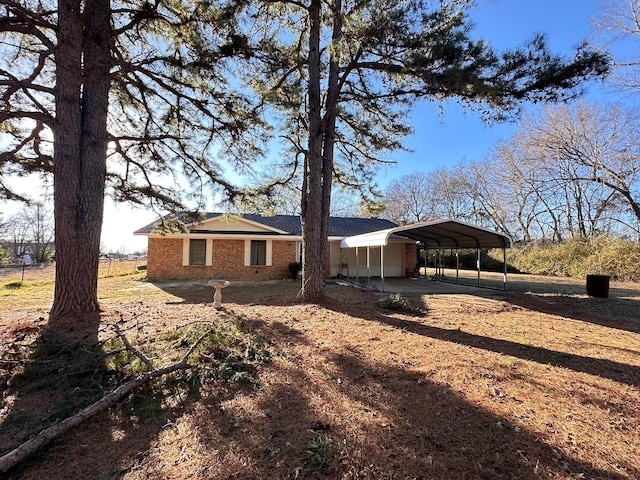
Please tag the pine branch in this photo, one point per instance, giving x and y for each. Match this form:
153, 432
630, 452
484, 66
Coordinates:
43, 438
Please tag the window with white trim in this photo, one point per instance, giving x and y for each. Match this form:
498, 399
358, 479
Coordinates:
197, 251
258, 252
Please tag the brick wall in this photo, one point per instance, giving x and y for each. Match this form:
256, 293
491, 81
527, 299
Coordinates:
164, 261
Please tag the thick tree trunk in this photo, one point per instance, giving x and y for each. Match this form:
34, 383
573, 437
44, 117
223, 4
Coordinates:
329, 124
313, 243
80, 138
316, 201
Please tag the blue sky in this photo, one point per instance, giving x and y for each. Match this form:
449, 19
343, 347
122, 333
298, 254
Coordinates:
441, 140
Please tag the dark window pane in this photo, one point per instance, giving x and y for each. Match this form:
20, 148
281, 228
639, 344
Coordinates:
258, 252
197, 252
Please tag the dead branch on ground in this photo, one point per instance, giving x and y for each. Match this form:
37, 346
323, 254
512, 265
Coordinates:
32, 445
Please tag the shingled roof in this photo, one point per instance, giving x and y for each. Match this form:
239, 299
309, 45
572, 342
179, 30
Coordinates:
290, 224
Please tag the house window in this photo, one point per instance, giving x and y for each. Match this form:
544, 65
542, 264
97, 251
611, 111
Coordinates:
258, 252
197, 252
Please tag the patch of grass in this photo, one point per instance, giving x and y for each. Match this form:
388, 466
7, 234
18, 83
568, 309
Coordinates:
144, 405
122, 274
508, 360
329, 375
319, 451
14, 285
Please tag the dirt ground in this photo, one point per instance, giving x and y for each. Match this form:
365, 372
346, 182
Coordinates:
525, 385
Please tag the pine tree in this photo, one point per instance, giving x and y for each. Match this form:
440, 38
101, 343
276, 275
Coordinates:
342, 75
119, 95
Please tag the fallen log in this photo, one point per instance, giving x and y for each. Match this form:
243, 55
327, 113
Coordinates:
13, 458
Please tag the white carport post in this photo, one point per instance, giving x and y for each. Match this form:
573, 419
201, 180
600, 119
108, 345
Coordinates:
382, 267
504, 275
478, 265
368, 266
424, 250
457, 265
357, 265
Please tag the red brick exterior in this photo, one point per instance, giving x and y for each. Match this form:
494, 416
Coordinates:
164, 261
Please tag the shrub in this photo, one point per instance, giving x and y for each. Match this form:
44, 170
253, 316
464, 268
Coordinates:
294, 269
395, 301
4, 255
577, 257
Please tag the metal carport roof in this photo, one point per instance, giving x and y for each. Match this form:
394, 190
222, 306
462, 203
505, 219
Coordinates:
436, 234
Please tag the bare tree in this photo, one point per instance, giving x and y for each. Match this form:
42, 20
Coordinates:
17, 233
409, 199
620, 23
41, 231
31, 230
593, 151
571, 170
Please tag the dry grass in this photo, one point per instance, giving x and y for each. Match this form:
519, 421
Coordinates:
542, 382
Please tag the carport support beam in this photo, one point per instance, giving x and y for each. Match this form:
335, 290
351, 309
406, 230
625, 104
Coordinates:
504, 276
426, 252
382, 268
478, 265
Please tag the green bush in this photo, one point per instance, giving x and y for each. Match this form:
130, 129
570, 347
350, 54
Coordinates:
294, 269
4, 255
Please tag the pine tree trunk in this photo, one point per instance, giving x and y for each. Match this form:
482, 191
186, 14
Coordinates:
316, 203
80, 138
313, 248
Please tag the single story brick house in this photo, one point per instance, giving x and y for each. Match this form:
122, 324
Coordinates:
248, 247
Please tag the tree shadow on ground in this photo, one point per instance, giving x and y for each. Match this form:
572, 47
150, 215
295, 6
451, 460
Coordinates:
620, 372
375, 419
276, 293
613, 312
434, 431
621, 310
52, 378
48, 377
269, 292
382, 421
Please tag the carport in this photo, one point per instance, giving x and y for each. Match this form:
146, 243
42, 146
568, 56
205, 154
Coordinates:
438, 235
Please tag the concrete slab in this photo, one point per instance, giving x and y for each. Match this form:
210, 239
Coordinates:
428, 287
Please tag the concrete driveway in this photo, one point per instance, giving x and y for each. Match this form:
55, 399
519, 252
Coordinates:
424, 286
